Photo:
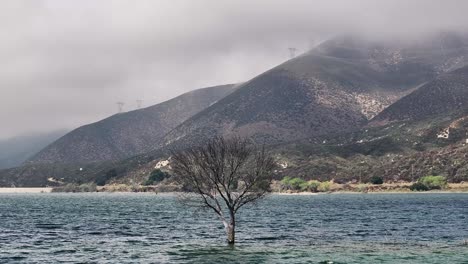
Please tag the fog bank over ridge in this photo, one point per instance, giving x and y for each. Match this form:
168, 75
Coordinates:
66, 63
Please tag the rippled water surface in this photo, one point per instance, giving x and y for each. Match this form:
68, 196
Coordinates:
150, 228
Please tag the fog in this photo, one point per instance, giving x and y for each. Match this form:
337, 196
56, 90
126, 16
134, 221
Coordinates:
66, 63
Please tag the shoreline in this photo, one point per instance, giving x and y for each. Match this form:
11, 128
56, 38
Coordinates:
27, 190
334, 188
382, 192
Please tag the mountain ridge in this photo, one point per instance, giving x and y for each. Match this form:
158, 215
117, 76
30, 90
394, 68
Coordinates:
445, 94
336, 87
15, 151
130, 133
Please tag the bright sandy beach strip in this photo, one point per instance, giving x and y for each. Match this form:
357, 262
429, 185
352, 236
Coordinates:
25, 190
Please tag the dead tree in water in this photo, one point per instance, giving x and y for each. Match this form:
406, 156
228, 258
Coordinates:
225, 174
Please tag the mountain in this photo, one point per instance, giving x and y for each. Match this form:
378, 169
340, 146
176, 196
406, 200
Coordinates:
15, 151
324, 114
126, 134
335, 88
435, 115
424, 133
445, 96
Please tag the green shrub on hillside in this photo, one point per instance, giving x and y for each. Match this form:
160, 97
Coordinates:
434, 182
418, 187
376, 180
285, 182
156, 176
289, 183
103, 179
298, 184
313, 185
429, 183
324, 186
294, 184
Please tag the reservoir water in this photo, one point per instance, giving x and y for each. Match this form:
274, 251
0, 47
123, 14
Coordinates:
150, 228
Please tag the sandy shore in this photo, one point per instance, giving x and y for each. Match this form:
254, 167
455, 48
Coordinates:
296, 193
25, 190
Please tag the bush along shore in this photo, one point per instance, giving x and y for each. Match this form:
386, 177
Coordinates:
161, 183
159, 180
92, 187
375, 184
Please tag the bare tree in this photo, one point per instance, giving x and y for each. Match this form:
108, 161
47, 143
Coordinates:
224, 175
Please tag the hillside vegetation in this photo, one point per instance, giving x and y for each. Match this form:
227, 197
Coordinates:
128, 134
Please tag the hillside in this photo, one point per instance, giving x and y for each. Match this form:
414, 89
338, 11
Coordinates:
126, 134
333, 89
435, 115
446, 96
15, 151
423, 133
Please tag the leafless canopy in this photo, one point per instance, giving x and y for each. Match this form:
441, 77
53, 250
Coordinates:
226, 174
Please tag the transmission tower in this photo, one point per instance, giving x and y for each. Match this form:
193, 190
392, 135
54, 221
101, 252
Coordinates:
442, 49
139, 103
292, 53
120, 106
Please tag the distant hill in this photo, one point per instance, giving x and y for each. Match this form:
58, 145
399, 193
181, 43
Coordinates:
445, 96
423, 133
335, 88
126, 134
14, 151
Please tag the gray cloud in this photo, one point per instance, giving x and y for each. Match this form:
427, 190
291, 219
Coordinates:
66, 63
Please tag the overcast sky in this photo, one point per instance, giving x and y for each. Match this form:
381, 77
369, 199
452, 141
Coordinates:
66, 63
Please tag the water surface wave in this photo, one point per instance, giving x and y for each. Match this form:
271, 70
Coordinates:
150, 228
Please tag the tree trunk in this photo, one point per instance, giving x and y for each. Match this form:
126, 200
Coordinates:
231, 229
231, 233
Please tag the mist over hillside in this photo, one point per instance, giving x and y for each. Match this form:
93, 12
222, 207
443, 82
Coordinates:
15, 151
129, 133
336, 87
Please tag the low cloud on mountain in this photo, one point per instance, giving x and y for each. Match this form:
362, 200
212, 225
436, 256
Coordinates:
66, 63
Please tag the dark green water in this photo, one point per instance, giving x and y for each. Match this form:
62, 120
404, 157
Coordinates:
149, 228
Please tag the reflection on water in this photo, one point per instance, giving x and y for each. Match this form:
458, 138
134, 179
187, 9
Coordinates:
149, 228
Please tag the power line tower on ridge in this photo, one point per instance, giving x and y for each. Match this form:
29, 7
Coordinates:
292, 53
120, 106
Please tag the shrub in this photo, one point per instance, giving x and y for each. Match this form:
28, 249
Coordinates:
427, 183
376, 180
434, 182
324, 187
102, 180
419, 187
285, 182
304, 186
297, 183
313, 185
156, 176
